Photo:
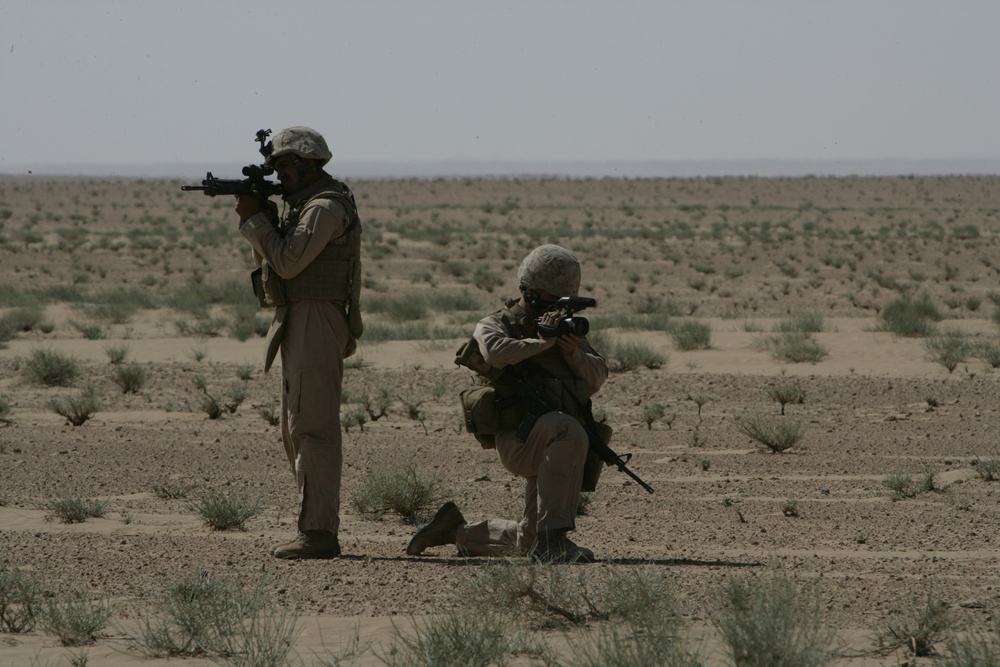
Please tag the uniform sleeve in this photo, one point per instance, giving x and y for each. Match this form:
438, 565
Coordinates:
589, 366
500, 349
320, 222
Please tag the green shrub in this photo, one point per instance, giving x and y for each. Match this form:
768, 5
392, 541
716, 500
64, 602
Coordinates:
76, 619
486, 280
130, 377
771, 622
540, 594
988, 469
651, 412
235, 395
5, 409
919, 626
90, 331
115, 312
211, 406
776, 433
242, 328
377, 406
405, 308
378, 333
269, 413
126, 299
202, 614
400, 491
73, 509
7, 331
21, 598
450, 303
655, 321
641, 597
692, 335
949, 348
458, 637
907, 316
221, 512
615, 644
78, 408
173, 489
25, 318
117, 353
203, 327
900, 485
264, 640
975, 649
51, 368
785, 394
802, 323
454, 267
795, 346
629, 355
990, 353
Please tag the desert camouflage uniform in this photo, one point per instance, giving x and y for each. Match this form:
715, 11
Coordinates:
314, 339
551, 459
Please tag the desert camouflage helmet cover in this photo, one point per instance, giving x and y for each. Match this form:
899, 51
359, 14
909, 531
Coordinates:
302, 141
551, 268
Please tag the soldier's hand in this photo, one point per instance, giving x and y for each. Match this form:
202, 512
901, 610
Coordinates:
568, 343
549, 319
247, 206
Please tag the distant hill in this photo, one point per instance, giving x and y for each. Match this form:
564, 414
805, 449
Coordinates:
620, 169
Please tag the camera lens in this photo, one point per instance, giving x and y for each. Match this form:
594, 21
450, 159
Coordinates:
574, 325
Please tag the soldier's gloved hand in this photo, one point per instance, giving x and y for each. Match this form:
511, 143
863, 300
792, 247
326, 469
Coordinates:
247, 206
568, 344
549, 319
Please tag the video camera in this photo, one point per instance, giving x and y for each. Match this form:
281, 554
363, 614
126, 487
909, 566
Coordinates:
567, 307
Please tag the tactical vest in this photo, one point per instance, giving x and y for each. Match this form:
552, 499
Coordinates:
548, 370
335, 274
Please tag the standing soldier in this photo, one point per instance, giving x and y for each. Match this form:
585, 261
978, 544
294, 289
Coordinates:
550, 450
309, 271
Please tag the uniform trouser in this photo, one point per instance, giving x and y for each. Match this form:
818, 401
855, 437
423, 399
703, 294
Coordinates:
313, 345
551, 460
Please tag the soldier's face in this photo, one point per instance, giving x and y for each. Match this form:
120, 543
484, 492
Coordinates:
287, 173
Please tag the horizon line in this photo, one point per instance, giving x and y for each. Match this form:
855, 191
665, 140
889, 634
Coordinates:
459, 168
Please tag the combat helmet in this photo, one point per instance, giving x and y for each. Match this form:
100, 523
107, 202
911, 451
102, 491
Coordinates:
302, 141
551, 268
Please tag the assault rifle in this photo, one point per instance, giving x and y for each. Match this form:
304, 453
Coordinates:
536, 405
255, 183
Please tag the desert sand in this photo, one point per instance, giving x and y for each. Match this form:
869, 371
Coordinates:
741, 255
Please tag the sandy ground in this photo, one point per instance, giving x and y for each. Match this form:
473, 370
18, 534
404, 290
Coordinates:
875, 406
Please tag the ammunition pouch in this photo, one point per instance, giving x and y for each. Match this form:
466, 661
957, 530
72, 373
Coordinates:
469, 356
486, 413
268, 287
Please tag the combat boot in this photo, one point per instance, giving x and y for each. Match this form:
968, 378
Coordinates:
310, 544
553, 546
440, 531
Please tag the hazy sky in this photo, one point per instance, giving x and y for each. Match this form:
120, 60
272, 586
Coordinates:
133, 82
